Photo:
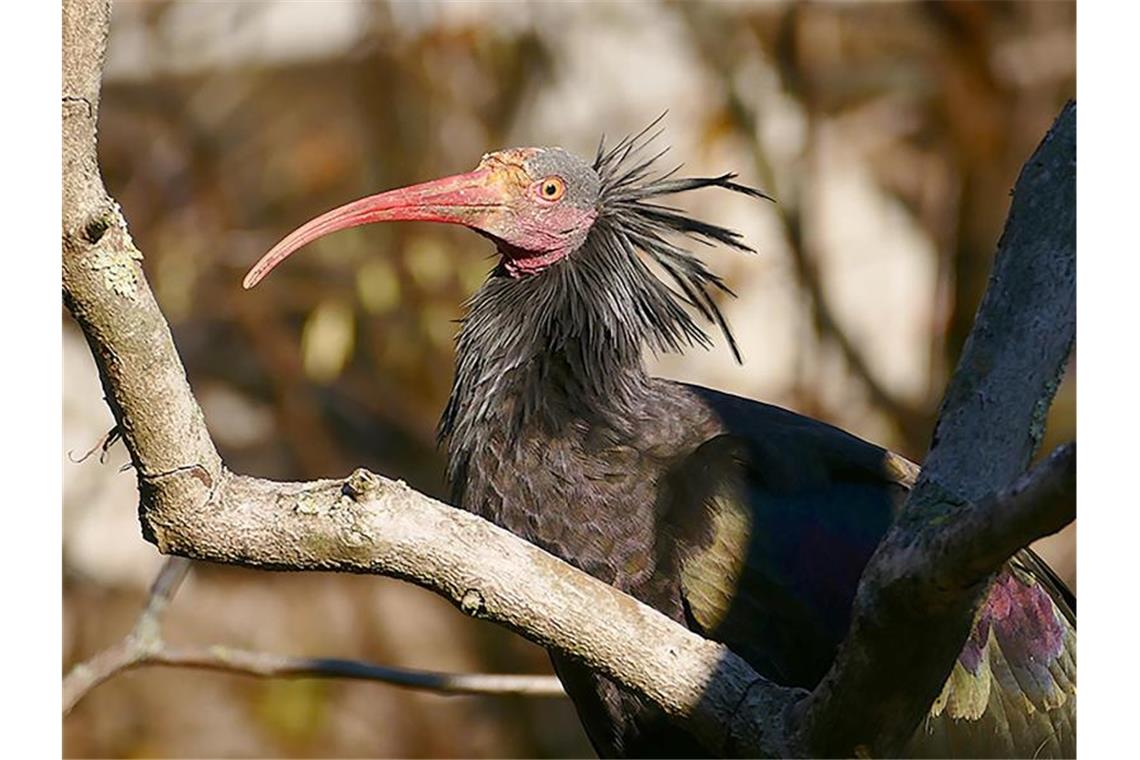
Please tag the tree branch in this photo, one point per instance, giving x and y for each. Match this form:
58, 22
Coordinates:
1038, 504
267, 665
370, 524
144, 645
192, 506
144, 640
992, 420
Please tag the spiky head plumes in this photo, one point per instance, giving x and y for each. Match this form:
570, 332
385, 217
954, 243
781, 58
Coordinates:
558, 329
633, 221
563, 340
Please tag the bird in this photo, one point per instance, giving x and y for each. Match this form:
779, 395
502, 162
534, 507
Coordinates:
745, 522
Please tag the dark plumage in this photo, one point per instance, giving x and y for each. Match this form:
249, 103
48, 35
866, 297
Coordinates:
745, 522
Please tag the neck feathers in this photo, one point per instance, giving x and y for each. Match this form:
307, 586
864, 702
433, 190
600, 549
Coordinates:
557, 349
561, 346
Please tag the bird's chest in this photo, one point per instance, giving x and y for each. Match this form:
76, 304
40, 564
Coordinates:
597, 506
593, 505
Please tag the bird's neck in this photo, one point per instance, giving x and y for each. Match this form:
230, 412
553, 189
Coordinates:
549, 355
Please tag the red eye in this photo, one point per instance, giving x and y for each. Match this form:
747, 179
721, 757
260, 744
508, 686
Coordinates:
552, 188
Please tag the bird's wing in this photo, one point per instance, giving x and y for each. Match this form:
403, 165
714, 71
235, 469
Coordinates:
772, 523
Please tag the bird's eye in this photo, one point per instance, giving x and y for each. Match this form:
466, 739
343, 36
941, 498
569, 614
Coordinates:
552, 188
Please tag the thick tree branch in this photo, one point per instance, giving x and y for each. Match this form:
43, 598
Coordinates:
191, 506
369, 524
1038, 504
107, 293
991, 422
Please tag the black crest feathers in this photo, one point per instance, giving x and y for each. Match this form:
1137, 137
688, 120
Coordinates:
565, 344
629, 214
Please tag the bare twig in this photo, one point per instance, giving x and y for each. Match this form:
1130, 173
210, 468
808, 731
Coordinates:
103, 445
143, 641
144, 645
162, 591
268, 665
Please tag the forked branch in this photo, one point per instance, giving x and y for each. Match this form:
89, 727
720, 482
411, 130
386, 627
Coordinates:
144, 645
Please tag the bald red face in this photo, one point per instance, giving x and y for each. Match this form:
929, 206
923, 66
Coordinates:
538, 204
550, 206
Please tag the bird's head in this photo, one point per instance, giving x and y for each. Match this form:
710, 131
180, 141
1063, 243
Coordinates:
545, 205
537, 204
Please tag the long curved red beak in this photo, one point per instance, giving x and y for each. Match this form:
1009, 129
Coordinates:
460, 199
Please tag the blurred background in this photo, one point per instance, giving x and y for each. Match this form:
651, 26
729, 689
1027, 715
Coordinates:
891, 135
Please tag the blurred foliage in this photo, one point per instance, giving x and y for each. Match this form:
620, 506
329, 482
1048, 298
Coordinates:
343, 357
